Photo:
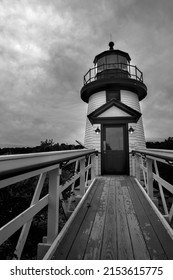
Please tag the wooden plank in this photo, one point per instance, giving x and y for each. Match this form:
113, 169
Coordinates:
50, 253
65, 244
78, 248
162, 218
138, 243
125, 251
93, 248
161, 233
154, 247
109, 244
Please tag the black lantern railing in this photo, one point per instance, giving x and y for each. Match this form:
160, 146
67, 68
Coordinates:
113, 70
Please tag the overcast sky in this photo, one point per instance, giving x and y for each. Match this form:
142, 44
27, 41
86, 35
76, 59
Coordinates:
46, 46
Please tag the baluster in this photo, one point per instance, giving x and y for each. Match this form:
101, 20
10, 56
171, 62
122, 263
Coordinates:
133, 164
93, 171
82, 176
136, 77
161, 189
144, 171
97, 164
138, 177
71, 198
87, 172
129, 70
171, 213
53, 205
149, 178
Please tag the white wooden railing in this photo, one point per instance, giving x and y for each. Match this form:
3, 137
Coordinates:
16, 168
145, 163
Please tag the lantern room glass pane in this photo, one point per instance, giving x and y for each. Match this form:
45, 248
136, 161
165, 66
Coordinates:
111, 61
101, 64
122, 62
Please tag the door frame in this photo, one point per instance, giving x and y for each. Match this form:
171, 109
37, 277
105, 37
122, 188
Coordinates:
126, 143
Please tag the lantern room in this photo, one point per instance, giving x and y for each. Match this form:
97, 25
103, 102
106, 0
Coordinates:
112, 59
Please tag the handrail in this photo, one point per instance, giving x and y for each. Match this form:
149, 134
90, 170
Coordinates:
146, 170
16, 168
158, 153
11, 165
132, 70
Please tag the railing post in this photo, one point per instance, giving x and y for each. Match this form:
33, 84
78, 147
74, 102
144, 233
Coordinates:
97, 164
138, 171
53, 205
133, 164
53, 213
161, 190
150, 178
89, 75
93, 171
136, 73
82, 176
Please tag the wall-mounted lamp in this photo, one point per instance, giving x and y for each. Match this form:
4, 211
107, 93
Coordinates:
97, 130
131, 130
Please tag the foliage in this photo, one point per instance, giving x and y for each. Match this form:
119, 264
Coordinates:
167, 144
47, 145
16, 198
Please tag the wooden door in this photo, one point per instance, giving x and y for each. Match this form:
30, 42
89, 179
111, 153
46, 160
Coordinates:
115, 151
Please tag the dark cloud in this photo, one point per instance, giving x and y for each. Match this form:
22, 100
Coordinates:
47, 46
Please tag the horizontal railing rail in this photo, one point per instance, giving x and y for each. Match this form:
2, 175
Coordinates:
145, 162
17, 168
17, 164
129, 71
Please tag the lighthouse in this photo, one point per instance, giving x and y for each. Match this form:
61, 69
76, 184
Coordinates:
113, 90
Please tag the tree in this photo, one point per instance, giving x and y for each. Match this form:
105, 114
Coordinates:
47, 145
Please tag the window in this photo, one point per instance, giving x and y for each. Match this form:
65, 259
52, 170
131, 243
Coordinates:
122, 62
111, 61
101, 64
115, 138
110, 94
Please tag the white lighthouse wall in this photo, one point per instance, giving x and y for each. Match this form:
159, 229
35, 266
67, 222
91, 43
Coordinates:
93, 140
137, 139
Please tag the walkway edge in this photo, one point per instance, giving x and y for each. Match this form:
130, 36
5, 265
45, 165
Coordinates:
60, 236
160, 216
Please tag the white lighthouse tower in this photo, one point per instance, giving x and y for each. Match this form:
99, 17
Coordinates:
113, 89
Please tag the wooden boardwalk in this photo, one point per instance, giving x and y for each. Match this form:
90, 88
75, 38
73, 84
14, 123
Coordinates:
115, 222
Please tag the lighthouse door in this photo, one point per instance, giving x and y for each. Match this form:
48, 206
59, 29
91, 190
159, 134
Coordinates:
115, 156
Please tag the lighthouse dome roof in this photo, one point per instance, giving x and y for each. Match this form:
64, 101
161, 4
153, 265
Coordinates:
111, 51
